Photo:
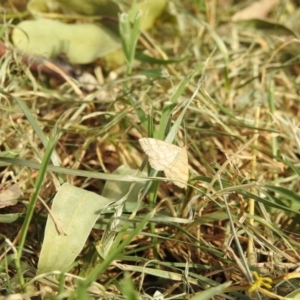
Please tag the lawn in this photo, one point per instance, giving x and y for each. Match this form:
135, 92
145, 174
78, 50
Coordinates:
150, 150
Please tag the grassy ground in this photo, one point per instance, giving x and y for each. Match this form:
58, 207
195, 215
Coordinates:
230, 92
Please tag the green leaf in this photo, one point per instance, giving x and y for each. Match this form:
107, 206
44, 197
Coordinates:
75, 212
116, 190
295, 295
150, 11
81, 43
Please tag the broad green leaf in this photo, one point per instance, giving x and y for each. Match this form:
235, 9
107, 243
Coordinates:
150, 10
75, 212
295, 295
116, 190
81, 43
11, 218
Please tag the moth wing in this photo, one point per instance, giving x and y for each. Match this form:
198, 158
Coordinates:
161, 154
179, 168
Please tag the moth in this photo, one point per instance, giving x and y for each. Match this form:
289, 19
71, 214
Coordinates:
171, 159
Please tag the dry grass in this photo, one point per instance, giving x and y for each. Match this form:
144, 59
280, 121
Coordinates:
240, 213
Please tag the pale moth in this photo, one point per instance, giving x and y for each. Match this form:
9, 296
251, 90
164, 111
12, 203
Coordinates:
171, 159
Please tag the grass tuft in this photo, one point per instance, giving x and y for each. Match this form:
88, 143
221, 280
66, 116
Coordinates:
228, 90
